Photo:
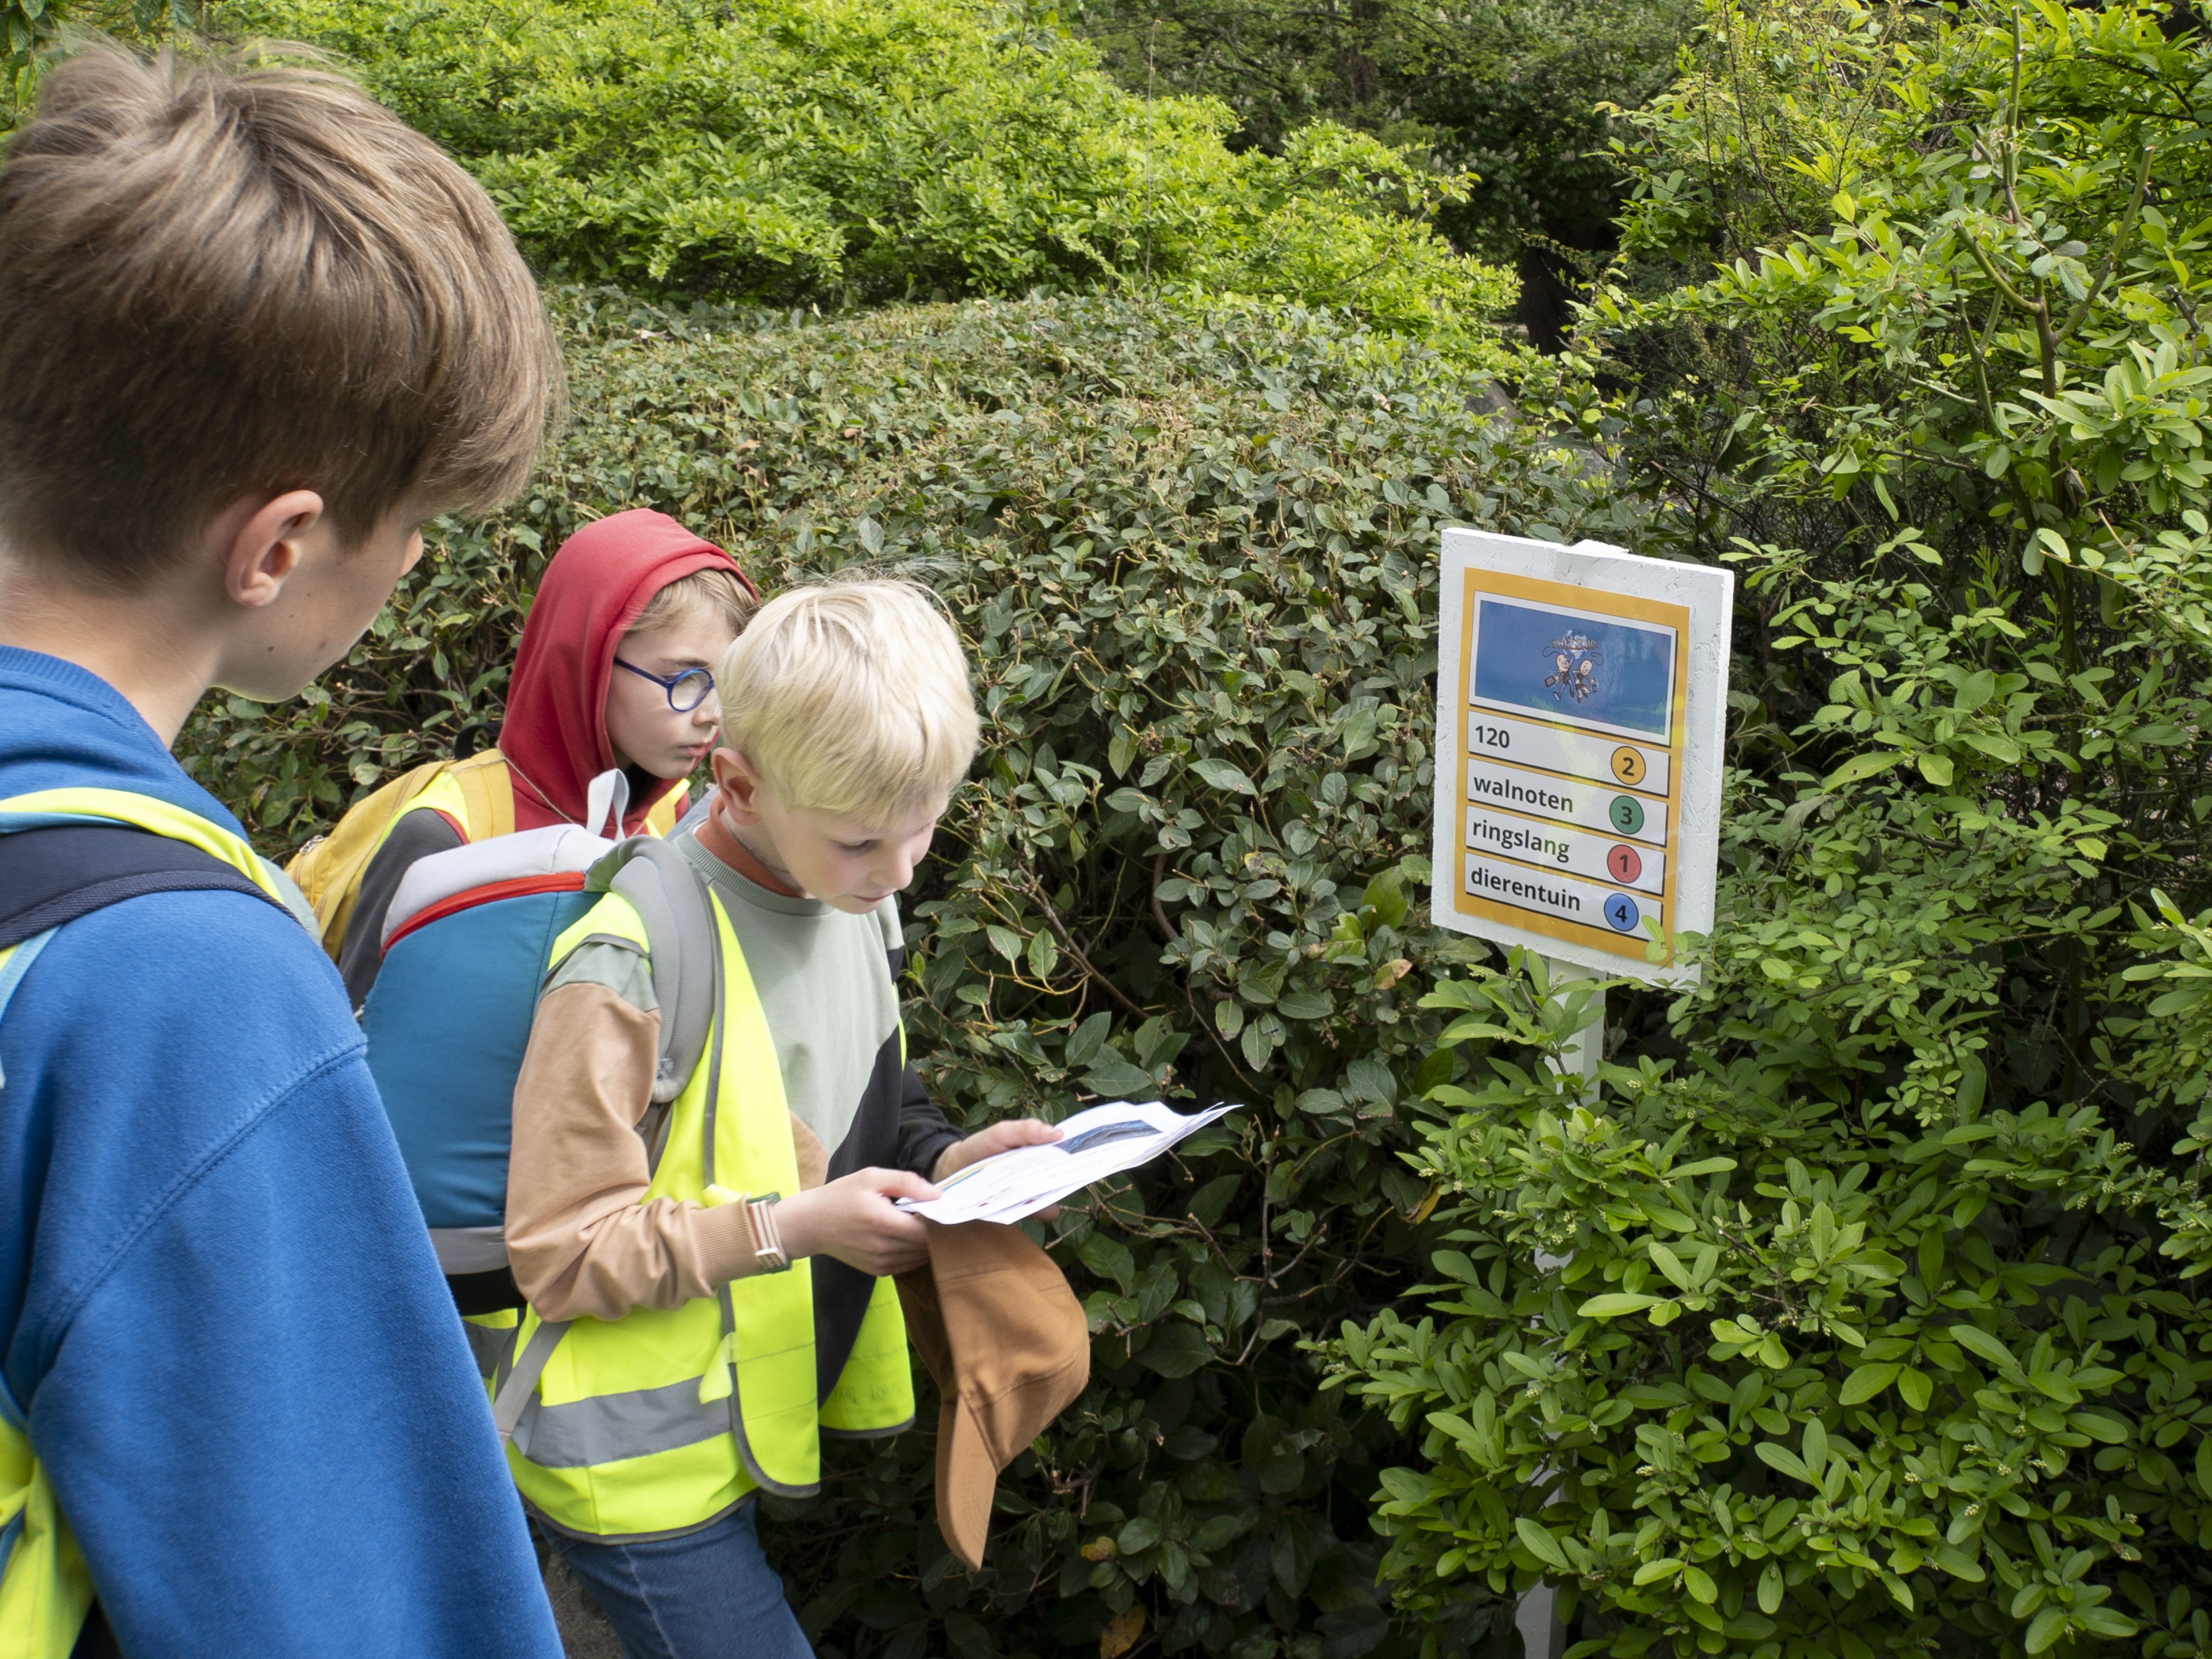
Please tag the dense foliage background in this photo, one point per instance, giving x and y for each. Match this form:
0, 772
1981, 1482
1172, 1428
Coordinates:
1510, 90
851, 151
1860, 1311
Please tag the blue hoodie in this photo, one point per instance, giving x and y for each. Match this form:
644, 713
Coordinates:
218, 1306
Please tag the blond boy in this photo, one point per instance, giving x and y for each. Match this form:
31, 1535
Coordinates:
847, 724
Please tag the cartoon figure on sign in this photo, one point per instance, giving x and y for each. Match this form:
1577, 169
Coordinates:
1574, 662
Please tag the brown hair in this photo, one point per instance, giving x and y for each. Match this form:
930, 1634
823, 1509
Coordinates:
710, 590
219, 280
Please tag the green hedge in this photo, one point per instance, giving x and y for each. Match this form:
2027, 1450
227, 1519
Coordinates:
1867, 1318
857, 150
1194, 566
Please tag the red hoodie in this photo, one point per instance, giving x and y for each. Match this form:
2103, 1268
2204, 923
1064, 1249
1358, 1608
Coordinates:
554, 736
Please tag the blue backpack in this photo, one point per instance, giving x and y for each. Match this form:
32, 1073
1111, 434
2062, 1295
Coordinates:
465, 944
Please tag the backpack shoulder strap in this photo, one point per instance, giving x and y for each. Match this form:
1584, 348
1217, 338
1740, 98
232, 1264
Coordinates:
51, 876
489, 793
329, 868
660, 884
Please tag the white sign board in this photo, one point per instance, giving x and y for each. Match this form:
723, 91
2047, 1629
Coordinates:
1582, 699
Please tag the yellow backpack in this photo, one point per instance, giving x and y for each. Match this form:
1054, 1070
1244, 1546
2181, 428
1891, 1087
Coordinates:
329, 868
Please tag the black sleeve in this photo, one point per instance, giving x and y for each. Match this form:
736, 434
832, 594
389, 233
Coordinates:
417, 836
923, 1132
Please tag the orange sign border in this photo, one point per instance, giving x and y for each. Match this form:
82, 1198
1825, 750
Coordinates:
1600, 602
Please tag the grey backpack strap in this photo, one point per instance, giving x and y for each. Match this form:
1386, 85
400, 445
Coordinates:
512, 1389
671, 901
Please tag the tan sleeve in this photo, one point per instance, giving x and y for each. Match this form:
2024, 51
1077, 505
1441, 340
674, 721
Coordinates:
578, 1236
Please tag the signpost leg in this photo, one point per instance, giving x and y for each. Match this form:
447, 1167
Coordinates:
1537, 1614
1587, 1047
1537, 1619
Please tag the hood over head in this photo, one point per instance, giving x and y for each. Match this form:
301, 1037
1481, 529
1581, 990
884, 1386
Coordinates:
555, 735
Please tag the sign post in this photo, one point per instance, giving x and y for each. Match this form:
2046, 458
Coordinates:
1582, 701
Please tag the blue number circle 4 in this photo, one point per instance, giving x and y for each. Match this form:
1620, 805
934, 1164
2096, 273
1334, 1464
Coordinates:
1620, 910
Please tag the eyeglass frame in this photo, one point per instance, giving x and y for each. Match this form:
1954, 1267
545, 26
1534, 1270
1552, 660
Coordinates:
669, 683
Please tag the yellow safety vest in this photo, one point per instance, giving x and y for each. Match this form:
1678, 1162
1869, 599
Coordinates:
45, 1590
657, 1422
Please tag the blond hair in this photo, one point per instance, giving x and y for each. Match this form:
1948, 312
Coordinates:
219, 281
719, 593
850, 698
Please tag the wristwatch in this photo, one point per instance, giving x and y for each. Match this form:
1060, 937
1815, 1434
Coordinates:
768, 1238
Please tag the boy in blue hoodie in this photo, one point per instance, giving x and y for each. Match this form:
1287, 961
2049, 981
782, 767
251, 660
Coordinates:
257, 332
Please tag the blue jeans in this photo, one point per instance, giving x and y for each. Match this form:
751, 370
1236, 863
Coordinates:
707, 1595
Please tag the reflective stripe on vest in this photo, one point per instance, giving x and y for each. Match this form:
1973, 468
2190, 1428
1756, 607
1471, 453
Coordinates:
659, 1421
45, 1590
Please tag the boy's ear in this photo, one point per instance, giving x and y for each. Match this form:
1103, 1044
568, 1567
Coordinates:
739, 786
260, 551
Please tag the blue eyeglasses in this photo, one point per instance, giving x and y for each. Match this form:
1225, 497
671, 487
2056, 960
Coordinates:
686, 690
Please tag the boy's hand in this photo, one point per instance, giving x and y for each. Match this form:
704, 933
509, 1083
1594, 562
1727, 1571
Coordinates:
1001, 1137
853, 1219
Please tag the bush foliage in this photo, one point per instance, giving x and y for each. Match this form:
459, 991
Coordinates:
853, 151
1862, 1315
1194, 566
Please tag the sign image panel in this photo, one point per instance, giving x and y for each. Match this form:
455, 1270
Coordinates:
1562, 663
1582, 691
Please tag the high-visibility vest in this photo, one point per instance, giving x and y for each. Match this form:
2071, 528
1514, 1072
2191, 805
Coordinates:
45, 1590
657, 1422
476, 796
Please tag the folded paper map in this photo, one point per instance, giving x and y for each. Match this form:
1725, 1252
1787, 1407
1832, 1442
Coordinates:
1094, 1143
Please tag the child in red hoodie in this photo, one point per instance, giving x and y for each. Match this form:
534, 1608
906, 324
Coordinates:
614, 673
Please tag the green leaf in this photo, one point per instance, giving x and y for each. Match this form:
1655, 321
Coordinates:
1859, 768
1868, 1381
1976, 1340
1043, 954
1699, 1584
2046, 1628
1087, 1040
1177, 1349
1614, 1304
1386, 896
1960, 1564
1770, 1588
1115, 1079
1916, 1388
1776, 1455
1541, 1545
1108, 1258
1222, 776
1121, 750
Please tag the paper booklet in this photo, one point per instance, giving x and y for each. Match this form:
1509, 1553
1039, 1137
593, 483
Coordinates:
1094, 1143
